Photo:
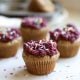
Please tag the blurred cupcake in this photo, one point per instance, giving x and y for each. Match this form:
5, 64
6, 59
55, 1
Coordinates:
41, 6
40, 56
34, 28
10, 41
68, 40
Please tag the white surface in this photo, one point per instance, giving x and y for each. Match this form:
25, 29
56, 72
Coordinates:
10, 22
66, 69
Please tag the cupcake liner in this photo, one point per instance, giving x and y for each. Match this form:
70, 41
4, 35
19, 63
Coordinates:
9, 49
68, 49
33, 34
40, 65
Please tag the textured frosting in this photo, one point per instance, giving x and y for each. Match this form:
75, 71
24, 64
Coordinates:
34, 22
69, 33
54, 35
8, 34
40, 48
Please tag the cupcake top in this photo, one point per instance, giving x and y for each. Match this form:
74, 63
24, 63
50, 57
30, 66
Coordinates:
40, 48
69, 33
34, 22
54, 35
8, 34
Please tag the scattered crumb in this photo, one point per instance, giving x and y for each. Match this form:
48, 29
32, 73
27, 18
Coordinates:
24, 74
67, 77
11, 73
5, 76
24, 66
71, 76
54, 71
19, 67
67, 66
4, 70
16, 57
59, 71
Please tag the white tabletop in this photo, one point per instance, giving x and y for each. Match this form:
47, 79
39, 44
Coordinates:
14, 68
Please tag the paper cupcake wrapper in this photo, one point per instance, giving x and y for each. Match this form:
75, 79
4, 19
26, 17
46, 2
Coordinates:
9, 49
68, 49
40, 65
34, 34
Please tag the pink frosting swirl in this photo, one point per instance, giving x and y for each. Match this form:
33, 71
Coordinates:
69, 33
8, 34
40, 48
34, 22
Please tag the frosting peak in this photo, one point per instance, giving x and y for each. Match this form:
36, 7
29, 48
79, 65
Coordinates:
69, 33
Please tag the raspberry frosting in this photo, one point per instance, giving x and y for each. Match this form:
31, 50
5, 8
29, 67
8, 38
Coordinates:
40, 48
69, 33
54, 35
8, 34
34, 22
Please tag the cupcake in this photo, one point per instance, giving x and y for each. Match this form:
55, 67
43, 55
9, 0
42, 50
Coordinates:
68, 40
34, 28
41, 6
10, 41
40, 56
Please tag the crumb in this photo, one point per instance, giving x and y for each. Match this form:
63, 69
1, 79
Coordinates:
11, 73
59, 71
67, 66
54, 71
4, 70
14, 69
16, 57
71, 76
5, 76
24, 66
24, 74
19, 67
67, 77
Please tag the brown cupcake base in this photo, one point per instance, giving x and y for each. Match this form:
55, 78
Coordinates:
40, 65
34, 34
9, 49
68, 49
